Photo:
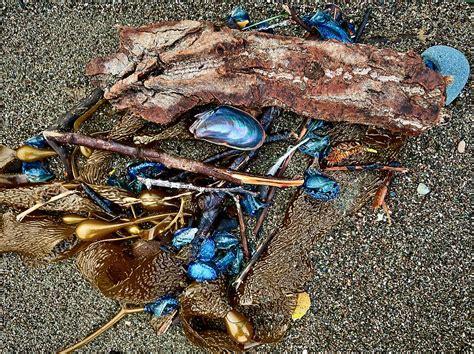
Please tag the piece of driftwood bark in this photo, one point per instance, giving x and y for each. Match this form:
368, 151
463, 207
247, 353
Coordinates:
164, 69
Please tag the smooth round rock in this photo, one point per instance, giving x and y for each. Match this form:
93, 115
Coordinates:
448, 62
462, 147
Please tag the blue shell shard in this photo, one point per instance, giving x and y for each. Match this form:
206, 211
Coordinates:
37, 141
145, 169
448, 62
251, 204
224, 240
183, 237
237, 263
316, 146
36, 172
238, 18
319, 186
230, 127
327, 27
202, 271
207, 251
225, 261
317, 124
162, 306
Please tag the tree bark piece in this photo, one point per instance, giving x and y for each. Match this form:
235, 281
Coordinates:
164, 69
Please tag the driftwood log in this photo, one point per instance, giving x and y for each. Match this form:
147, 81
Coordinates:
165, 69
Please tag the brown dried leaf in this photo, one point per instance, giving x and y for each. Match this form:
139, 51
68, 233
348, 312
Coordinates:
120, 274
34, 238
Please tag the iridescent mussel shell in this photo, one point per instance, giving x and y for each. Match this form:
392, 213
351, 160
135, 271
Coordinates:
230, 127
183, 237
207, 251
327, 27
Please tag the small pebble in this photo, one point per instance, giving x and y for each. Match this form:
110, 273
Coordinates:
423, 189
462, 147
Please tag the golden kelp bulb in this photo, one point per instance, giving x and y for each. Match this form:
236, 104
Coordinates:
303, 304
238, 327
72, 219
153, 201
28, 153
133, 230
92, 229
85, 151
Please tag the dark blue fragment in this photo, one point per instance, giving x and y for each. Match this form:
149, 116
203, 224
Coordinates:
320, 186
36, 172
162, 306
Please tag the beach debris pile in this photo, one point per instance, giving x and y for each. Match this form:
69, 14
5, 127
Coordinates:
170, 236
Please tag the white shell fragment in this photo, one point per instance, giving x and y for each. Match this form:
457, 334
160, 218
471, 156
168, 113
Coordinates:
462, 147
423, 189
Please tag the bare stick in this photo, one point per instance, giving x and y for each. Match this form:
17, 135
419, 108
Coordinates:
169, 160
148, 182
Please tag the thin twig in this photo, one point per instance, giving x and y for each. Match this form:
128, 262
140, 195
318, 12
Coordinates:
243, 237
298, 19
170, 161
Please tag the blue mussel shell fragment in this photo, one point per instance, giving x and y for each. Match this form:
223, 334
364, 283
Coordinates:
230, 127
251, 204
207, 251
327, 27
317, 146
238, 18
146, 169
36, 172
224, 240
202, 271
448, 62
183, 237
162, 306
37, 141
225, 261
320, 186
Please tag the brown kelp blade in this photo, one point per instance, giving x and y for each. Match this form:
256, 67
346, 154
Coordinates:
200, 302
7, 155
286, 265
35, 238
26, 197
117, 273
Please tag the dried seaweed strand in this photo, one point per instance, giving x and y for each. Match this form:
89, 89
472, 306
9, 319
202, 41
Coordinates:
22, 215
243, 238
121, 314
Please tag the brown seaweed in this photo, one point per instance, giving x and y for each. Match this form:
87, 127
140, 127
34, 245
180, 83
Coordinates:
34, 238
99, 163
132, 277
199, 303
26, 197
